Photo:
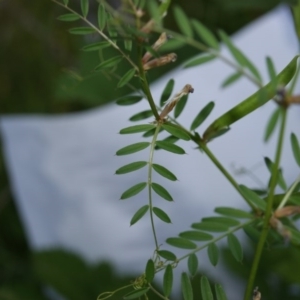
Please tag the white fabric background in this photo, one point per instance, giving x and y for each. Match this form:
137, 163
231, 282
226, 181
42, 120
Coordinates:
62, 167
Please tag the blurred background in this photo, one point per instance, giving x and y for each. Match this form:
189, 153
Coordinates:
44, 71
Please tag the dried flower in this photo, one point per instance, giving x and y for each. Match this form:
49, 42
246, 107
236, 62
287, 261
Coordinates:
161, 61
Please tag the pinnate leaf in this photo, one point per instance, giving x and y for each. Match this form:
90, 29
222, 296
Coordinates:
181, 243
132, 148
180, 106
176, 131
161, 215
137, 128
150, 270
193, 264
161, 191
96, 46
235, 247
68, 17
167, 92
166, 254
210, 226
142, 115
139, 214
196, 235
82, 30
182, 21
186, 287
131, 167
164, 172
134, 190
253, 197
203, 114
295, 148
129, 100
206, 292
213, 253
126, 78
170, 147
273, 121
109, 63
102, 18
168, 281
233, 212
84, 7
136, 293
220, 294
204, 58
231, 79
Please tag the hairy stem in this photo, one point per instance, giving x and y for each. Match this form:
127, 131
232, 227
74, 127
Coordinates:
268, 213
150, 182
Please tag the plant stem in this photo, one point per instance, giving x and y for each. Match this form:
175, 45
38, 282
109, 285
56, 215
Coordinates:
150, 182
269, 209
157, 293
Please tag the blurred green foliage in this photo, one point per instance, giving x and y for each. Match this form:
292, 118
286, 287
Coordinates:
44, 71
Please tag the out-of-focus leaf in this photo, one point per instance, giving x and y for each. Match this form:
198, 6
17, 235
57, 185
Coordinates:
164, 172
220, 294
182, 21
235, 247
131, 167
139, 214
132, 148
229, 222
181, 243
180, 106
296, 15
172, 45
196, 235
168, 280
126, 78
82, 30
210, 226
251, 103
176, 131
142, 115
84, 7
161, 191
186, 287
206, 35
206, 292
137, 128
252, 233
280, 179
231, 79
253, 197
167, 92
68, 17
170, 147
109, 63
233, 212
161, 215
272, 73
213, 254
193, 264
273, 121
65, 2
204, 58
203, 114
295, 148
134, 190
136, 293
150, 270
101, 17
166, 254
129, 100
96, 46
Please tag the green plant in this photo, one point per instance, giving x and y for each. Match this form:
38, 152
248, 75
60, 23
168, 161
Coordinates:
127, 32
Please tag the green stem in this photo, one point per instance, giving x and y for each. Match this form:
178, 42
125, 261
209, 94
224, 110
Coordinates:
157, 293
152, 148
269, 209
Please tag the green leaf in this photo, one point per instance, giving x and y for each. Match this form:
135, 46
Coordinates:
273, 121
253, 197
132, 148
68, 17
235, 247
239, 56
180, 106
229, 222
206, 292
136, 293
252, 233
84, 7
168, 255
139, 214
167, 92
295, 148
193, 264
102, 17
137, 128
96, 46
131, 167
231, 79
161, 215
154, 12
126, 78
202, 115
170, 147
168, 280
161, 191
65, 2
220, 294
128, 44
182, 21
172, 45
129, 100
210, 226
251, 103
109, 63
205, 34
181, 243
150, 271
213, 253
142, 115
272, 72
151, 132
164, 172
82, 30
134, 190
204, 58
233, 212
186, 287
196, 235
280, 180
176, 131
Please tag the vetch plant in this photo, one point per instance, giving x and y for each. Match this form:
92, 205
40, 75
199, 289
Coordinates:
127, 33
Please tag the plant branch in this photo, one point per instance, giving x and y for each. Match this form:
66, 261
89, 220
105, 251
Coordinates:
268, 213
